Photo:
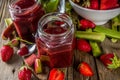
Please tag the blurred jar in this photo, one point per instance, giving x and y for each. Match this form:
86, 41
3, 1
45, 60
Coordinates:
25, 15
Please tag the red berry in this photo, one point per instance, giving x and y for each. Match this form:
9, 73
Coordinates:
106, 58
56, 74
108, 4
24, 74
23, 51
83, 45
85, 69
94, 4
85, 24
6, 52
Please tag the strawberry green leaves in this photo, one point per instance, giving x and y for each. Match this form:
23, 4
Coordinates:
110, 60
115, 63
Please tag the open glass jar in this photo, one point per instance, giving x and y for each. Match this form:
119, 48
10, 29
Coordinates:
54, 39
25, 15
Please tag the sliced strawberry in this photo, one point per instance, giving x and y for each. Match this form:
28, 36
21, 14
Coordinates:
56, 74
83, 45
85, 69
108, 4
85, 24
24, 73
6, 52
30, 60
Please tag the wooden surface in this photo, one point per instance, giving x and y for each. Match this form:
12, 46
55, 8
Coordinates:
8, 71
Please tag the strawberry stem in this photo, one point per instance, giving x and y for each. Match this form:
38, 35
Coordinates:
24, 40
115, 63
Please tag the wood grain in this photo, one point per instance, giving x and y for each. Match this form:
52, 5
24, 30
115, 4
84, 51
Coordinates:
9, 71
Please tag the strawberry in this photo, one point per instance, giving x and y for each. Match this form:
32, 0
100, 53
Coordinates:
23, 51
85, 69
6, 52
56, 74
106, 58
24, 73
85, 24
108, 4
94, 4
83, 45
110, 60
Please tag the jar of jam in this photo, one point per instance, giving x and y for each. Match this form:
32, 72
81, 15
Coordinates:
54, 39
25, 15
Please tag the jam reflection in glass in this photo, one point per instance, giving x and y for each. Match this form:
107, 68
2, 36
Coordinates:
25, 15
54, 40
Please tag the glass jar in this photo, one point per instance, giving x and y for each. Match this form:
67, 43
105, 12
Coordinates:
25, 15
54, 39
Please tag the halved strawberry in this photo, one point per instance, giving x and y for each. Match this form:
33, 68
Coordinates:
85, 69
56, 74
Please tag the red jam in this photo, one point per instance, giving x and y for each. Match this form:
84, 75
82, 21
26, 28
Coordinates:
59, 54
26, 14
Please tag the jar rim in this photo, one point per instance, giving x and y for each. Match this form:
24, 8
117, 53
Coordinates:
54, 35
11, 2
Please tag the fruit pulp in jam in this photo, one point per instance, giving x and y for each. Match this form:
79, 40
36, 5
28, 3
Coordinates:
58, 54
26, 17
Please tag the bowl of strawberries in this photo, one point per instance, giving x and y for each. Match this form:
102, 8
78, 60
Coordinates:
97, 11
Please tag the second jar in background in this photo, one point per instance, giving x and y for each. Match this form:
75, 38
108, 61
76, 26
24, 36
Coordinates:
25, 15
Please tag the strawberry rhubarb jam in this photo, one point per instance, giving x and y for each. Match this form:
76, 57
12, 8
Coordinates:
25, 15
54, 40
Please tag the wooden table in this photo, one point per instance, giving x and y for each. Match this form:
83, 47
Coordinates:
8, 71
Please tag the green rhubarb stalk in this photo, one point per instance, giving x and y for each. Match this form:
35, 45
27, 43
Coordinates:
96, 51
115, 22
8, 21
108, 32
90, 35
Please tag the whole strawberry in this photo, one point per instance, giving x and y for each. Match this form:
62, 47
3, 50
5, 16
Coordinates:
108, 4
23, 51
24, 73
6, 53
85, 69
56, 74
83, 45
110, 60
94, 4
85, 24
